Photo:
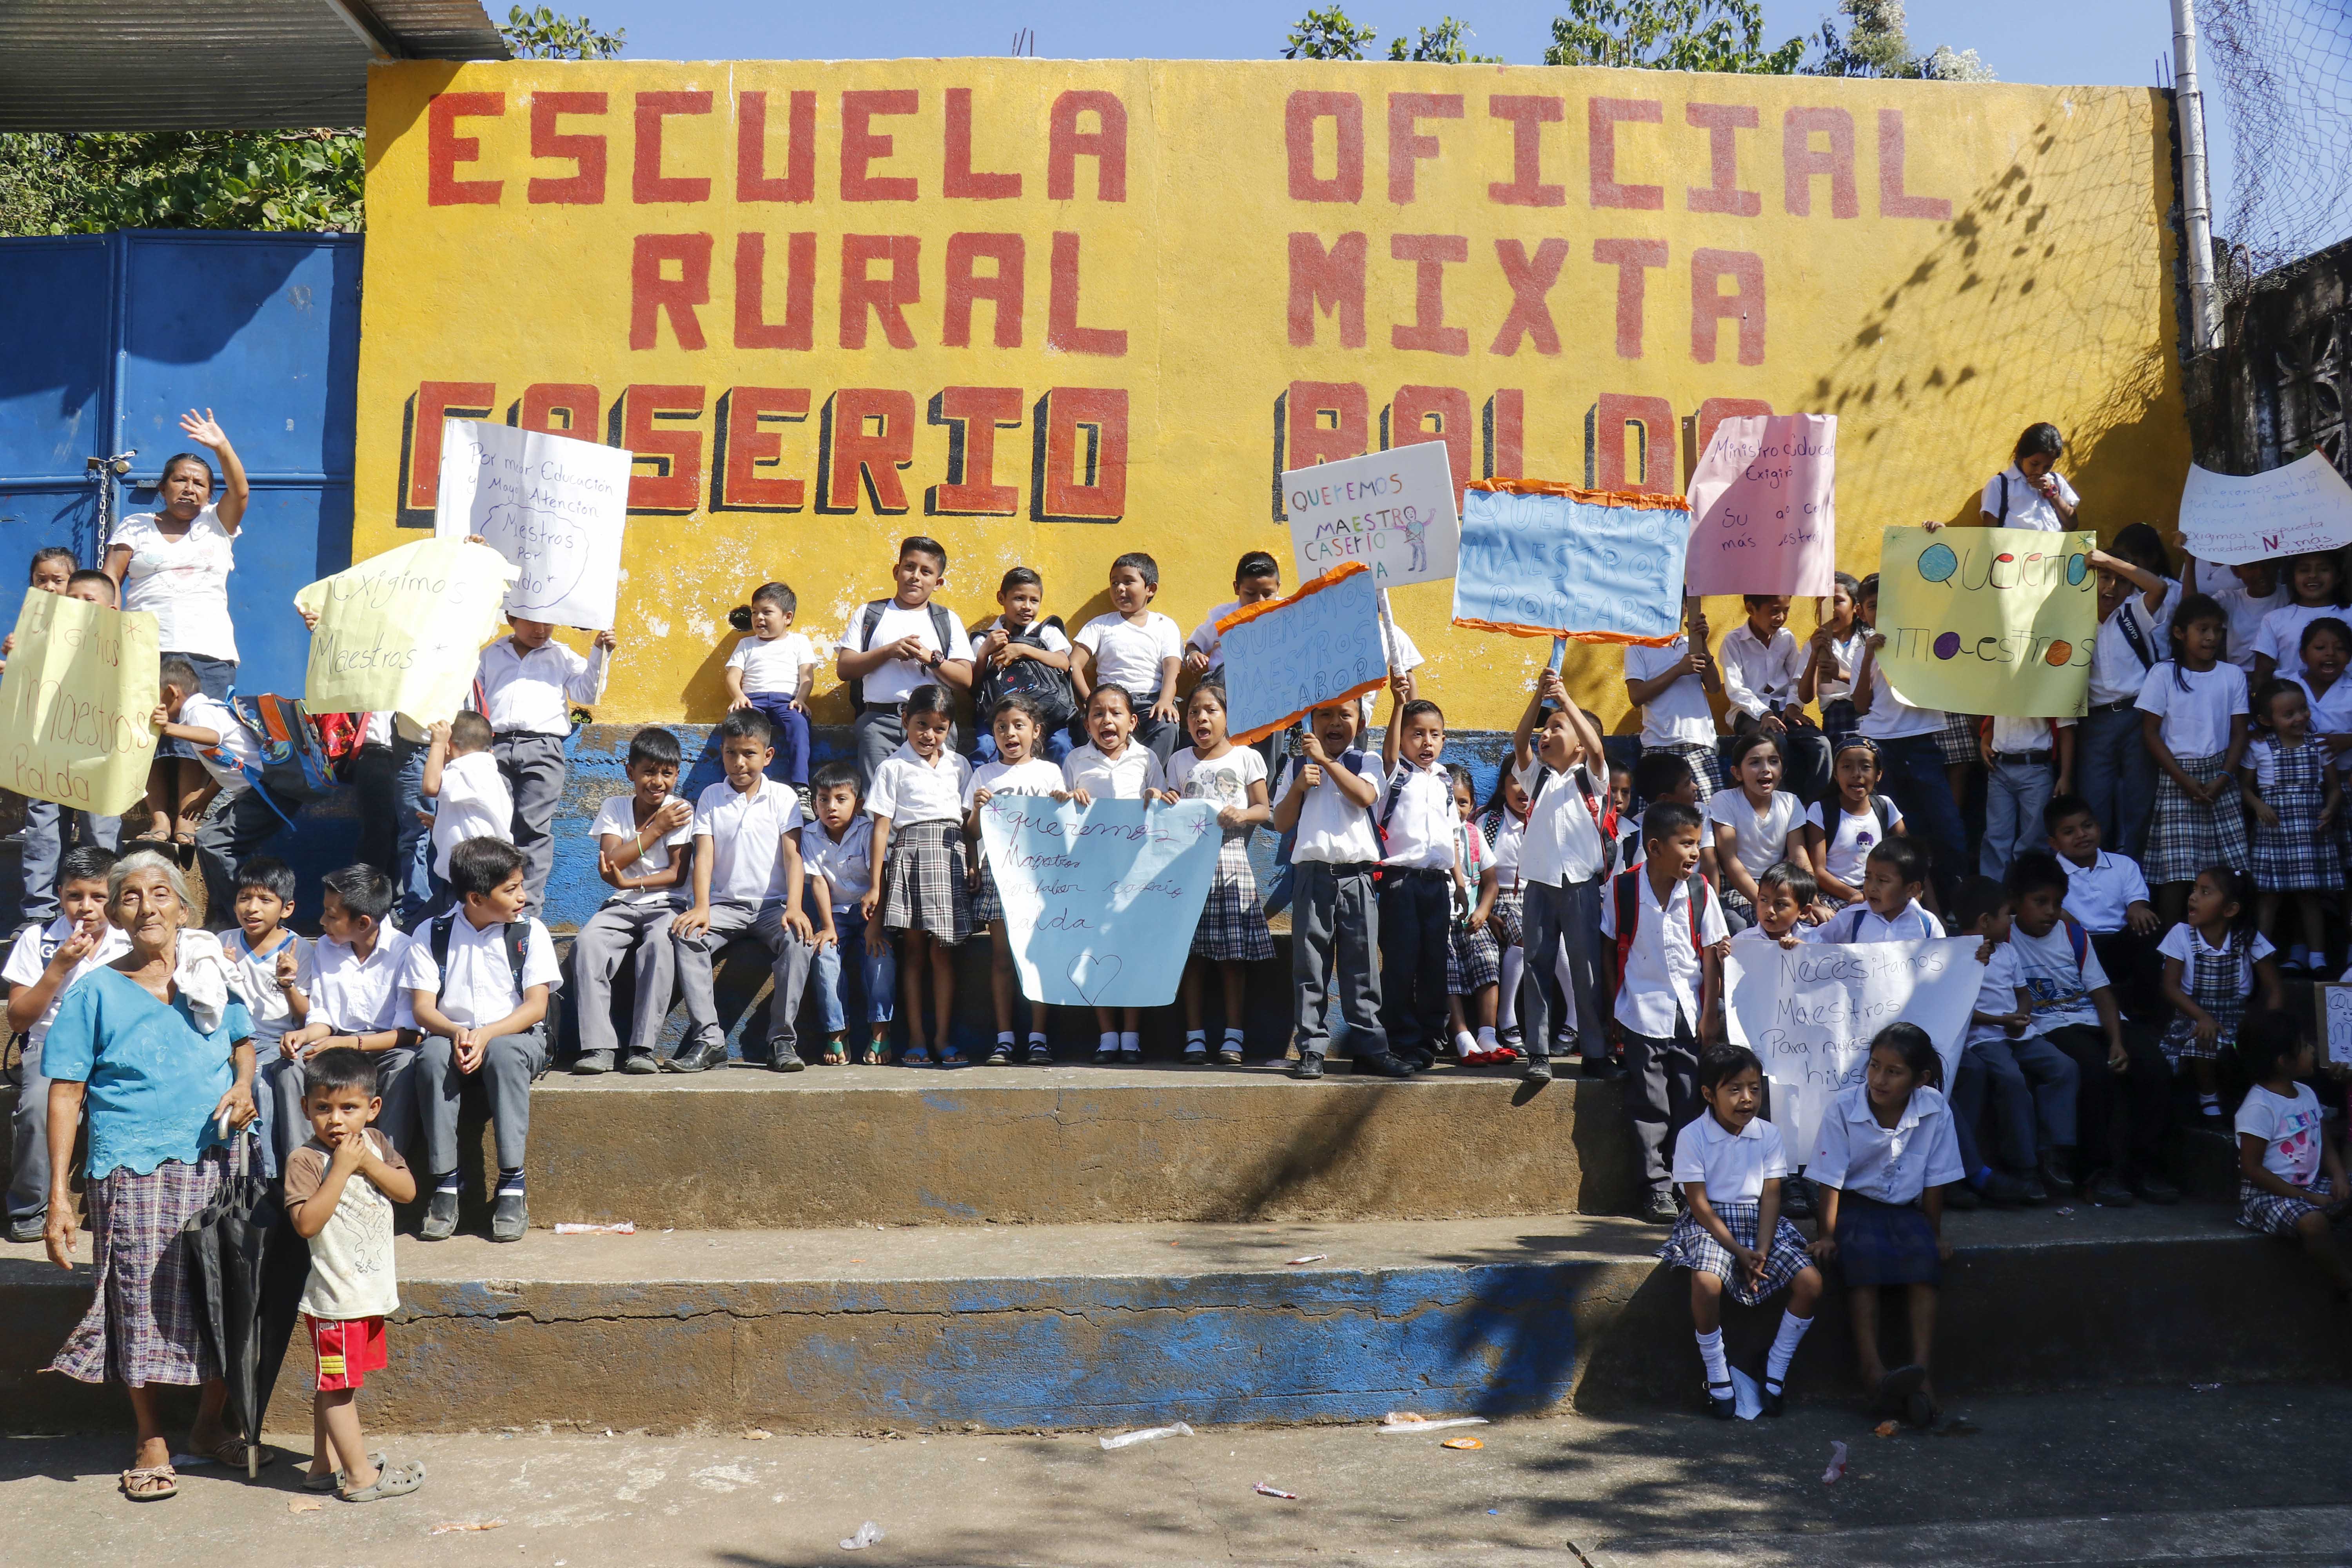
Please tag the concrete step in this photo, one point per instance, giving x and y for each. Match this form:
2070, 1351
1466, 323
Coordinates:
1077, 1326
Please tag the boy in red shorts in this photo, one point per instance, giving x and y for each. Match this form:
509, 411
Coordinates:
339, 1189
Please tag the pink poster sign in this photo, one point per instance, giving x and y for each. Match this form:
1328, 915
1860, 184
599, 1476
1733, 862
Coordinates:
1763, 507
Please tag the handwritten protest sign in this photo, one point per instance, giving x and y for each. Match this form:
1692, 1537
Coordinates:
402, 631
1763, 507
1285, 657
1545, 560
2335, 1013
553, 505
78, 703
1095, 900
1809, 1012
1392, 511
1989, 620
2303, 505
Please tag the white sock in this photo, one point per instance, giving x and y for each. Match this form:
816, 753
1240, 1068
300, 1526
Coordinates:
1464, 1045
1109, 1042
1196, 1037
1710, 1351
1037, 1037
1233, 1036
1131, 1044
1003, 1036
2204, 1099
1486, 1041
1784, 1346
1506, 998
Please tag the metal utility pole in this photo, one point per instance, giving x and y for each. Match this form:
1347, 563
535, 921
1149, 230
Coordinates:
2196, 198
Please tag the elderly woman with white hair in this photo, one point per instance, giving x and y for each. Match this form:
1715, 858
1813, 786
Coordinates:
160, 1048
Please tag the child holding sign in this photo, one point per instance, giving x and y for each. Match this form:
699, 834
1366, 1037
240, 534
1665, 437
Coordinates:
1670, 685
1569, 850
1233, 931
1114, 767
1730, 1164
1018, 731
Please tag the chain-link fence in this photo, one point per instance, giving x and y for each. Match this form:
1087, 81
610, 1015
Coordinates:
2283, 70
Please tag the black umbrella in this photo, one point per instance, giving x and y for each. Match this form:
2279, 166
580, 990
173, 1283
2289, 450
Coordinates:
247, 1267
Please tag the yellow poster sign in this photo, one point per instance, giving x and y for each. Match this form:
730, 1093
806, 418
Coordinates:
403, 631
77, 704
1050, 311
1989, 620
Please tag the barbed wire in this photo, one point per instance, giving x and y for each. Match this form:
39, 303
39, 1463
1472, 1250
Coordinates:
2283, 69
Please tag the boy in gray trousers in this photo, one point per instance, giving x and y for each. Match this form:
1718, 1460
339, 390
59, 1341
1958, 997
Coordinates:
644, 842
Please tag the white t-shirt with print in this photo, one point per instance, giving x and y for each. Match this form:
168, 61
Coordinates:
2290, 1130
618, 817
256, 977
183, 583
30, 955
1128, 654
2197, 720
2050, 984
1221, 781
1847, 852
772, 665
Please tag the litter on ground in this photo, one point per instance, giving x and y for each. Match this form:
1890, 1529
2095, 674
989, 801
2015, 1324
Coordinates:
868, 1534
574, 1227
452, 1526
1408, 1422
1148, 1434
1837, 1464
1462, 1443
1309, 1257
1267, 1488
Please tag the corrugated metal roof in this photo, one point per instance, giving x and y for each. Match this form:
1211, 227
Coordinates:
203, 65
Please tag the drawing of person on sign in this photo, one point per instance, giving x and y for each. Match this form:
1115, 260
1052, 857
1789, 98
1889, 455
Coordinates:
1416, 539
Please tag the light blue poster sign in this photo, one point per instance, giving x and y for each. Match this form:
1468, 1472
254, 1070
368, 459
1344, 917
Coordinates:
1321, 644
1101, 903
1598, 568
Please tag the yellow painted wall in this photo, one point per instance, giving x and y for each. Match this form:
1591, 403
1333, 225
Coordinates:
2015, 267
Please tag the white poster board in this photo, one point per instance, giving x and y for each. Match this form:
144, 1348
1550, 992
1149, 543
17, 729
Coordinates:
1809, 1012
2231, 520
1393, 511
553, 505
2335, 1019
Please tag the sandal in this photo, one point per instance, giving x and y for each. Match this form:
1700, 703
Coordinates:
836, 1055
333, 1480
915, 1056
150, 1483
950, 1056
396, 1481
228, 1451
877, 1057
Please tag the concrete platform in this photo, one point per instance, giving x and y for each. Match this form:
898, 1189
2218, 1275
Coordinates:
1136, 1324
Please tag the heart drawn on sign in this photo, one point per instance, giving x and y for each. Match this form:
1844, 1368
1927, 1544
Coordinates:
1092, 973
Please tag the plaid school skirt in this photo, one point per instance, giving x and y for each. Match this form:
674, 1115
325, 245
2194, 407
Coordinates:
2185, 835
987, 904
1471, 960
2275, 1215
1886, 1244
1705, 760
1958, 740
923, 887
2213, 979
2295, 856
1508, 917
1688, 1245
1232, 922
141, 1327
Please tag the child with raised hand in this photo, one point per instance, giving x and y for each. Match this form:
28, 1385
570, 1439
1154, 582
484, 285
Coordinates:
2212, 961
1113, 766
1257, 577
2136, 601
2315, 582
1017, 654
2250, 591
2290, 1179
1233, 931
2034, 1086
1864, 819
2030, 492
1831, 656
1136, 648
1763, 670
527, 683
1568, 855
2296, 797
1472, 962
44, 964
1326, 800
645, 848
837, 867
773, 670
470, 796
1886, 1155
1670, 685
1729, 1163
2193, 719
274, 972
340, 1186
1784, 892
922, 893
238, 813
1757, 825
1017, 730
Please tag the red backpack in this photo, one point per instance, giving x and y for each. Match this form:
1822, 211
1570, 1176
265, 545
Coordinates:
1627, 894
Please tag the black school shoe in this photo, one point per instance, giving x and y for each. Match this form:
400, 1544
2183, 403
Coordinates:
1389, 1067
1309, 1065
1797, 1198
591, 1063
1538, 1070
1724, 1406
639, 1063
440, 1217
1772, 1394
697, 1058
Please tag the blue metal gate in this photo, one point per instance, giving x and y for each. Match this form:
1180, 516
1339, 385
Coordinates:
106, 339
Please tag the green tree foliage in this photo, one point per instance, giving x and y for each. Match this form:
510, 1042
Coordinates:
1329, 34
1443, 44
304, 181
1670, 34
1877, 43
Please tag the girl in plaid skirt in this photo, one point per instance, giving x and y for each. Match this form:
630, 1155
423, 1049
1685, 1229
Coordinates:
1232, 933
2291, 1181
2194, 720
922, 888
1729, 1165
1018, 727
2212, 961
1474, 968
2292, 788
1503, 833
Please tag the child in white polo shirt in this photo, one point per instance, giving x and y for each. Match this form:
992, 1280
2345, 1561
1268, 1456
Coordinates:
1670, 935
357, 1002
477, 983
2108, 897
43, 965
1417, 823
1326, 800
643, 840
1570, 828
470, 796
836, 867
1670, 685
1136, 648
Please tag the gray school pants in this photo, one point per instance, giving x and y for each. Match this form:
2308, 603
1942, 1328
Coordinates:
1661, 1096
278, 1090
609, 937
49, 827
1335, 939
788, 970
509, 1065
29, 1183
533, 766
2032, 1085
240, 820
1555, 920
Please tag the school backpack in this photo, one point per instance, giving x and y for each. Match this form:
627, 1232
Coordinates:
1626, 893
517, 946
942, 630
1278, 892
1603, 817
294, 763
341, 736
1048, 688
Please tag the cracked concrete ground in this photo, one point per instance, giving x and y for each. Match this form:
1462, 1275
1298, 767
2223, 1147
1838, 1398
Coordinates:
2224, 1476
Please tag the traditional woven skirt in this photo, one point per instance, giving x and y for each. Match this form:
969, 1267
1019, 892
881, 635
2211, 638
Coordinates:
1688, 1245
1233, 924
923, 887
141, 1327
1886, 1244
2185, 835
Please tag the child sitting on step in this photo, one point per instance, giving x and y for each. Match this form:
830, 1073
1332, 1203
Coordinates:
2291, 1181
2211, 962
